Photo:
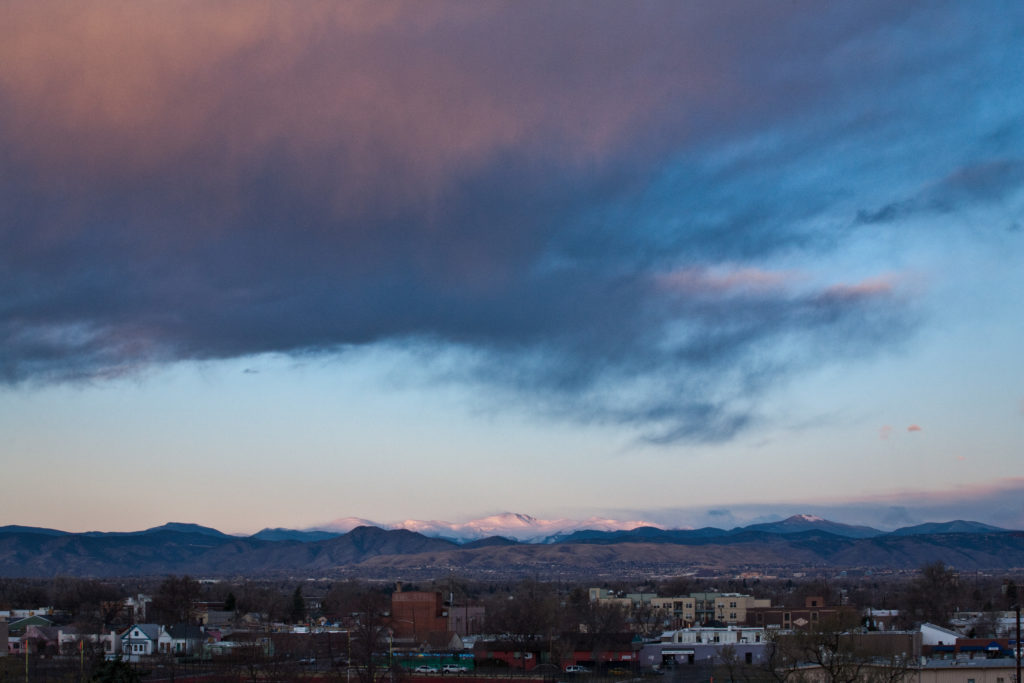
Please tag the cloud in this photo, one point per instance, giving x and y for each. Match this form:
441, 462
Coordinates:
885, 432
913, 428
990, 181
596, 208
997, 502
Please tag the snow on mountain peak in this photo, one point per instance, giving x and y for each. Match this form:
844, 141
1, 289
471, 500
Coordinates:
808, 518
519, 526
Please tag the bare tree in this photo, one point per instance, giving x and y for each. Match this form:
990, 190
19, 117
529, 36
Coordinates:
834, 651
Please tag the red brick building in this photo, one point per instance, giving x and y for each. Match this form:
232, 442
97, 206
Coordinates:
813, 613
415, 615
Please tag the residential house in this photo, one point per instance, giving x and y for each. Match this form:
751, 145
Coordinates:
137, 607
19, 625
40, 640
181, 640
141, 640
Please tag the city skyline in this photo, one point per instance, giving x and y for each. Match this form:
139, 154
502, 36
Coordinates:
271, 265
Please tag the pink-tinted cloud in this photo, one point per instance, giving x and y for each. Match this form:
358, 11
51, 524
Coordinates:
885, 432
724, 281
872, 287
588, 195
960, 492
404, 96
913, 428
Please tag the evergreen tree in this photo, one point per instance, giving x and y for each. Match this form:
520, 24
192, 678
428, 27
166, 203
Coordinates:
298, 606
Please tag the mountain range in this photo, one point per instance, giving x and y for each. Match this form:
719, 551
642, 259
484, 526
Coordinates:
527, 529
799, 543
518, 526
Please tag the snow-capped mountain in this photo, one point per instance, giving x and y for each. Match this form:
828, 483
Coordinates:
518, 526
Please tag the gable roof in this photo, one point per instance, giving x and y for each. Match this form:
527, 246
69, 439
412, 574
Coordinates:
149, 631
185, 632
25, 622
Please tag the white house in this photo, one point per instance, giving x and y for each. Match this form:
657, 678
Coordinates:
141, 640
181, 640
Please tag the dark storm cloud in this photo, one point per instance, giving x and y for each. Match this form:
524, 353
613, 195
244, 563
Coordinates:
986, 183
585, 199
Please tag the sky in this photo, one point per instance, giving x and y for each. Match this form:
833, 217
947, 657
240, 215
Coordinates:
272, 264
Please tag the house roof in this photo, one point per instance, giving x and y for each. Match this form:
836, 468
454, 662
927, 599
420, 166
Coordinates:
25, 622
47, 633
150, 631
934, 627
185, 632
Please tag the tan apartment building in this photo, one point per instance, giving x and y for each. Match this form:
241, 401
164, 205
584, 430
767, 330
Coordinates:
688, 610
705, 608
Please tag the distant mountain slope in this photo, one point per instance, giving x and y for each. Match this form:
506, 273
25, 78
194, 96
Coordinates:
489, 542
200, 551
17, 528
753, 550
168, 551
280, 534
179, 527
643, 534
800, 523
957, 526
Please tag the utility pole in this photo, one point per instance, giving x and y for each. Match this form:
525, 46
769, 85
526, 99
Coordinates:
1017, 607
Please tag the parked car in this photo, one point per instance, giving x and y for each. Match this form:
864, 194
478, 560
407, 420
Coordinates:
425, 669
453, 669
576, 669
